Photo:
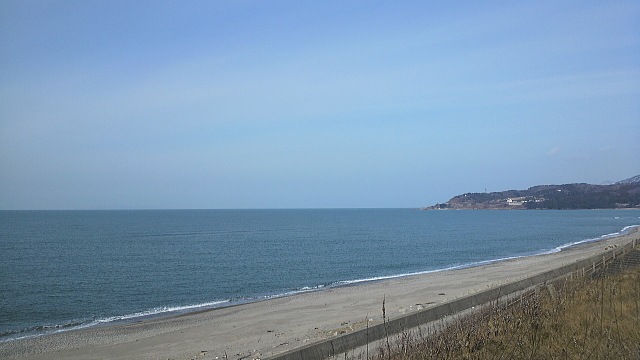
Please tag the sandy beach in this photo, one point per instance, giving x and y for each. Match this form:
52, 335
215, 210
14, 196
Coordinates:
266, 328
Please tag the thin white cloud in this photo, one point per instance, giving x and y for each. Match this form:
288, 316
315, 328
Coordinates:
553, 152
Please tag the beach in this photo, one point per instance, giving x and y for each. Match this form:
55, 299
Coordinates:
266, 328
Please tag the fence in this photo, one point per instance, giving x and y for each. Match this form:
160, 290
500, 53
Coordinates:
344, 343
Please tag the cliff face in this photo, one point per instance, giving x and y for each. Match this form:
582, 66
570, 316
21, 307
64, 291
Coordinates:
623, 194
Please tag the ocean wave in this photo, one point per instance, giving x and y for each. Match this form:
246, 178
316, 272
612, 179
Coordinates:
624, 230
557, 249
35, 331
15, 334
158, 311
449, 268
301, 290
11, 335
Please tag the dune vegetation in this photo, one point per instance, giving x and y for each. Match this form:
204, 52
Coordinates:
591, 317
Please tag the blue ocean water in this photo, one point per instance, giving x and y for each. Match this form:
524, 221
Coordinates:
67, 269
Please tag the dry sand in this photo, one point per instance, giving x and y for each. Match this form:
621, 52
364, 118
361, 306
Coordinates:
269, 327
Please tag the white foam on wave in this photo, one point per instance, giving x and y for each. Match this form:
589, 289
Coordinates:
215, 304
157, 311
54, 329
487, 262
624, 230
454, 267
304, 289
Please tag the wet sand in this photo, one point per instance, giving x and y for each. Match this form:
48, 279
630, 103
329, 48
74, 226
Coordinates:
266, 328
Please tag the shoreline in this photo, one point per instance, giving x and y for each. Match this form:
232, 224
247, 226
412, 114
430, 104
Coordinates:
186, 310
270, 326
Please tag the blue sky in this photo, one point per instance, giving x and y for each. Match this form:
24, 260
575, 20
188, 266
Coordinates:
306, 104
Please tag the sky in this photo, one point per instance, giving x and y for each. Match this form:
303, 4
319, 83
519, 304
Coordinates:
311, 104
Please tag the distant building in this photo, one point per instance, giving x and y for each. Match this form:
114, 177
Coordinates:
516, 201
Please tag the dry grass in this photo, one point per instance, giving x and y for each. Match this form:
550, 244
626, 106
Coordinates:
583, 318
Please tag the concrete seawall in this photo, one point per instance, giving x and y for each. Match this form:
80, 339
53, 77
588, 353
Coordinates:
344, 343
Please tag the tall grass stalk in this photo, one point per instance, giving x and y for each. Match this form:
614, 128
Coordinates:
578, 318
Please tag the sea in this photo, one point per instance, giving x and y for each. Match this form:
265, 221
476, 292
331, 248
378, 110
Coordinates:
63, 270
